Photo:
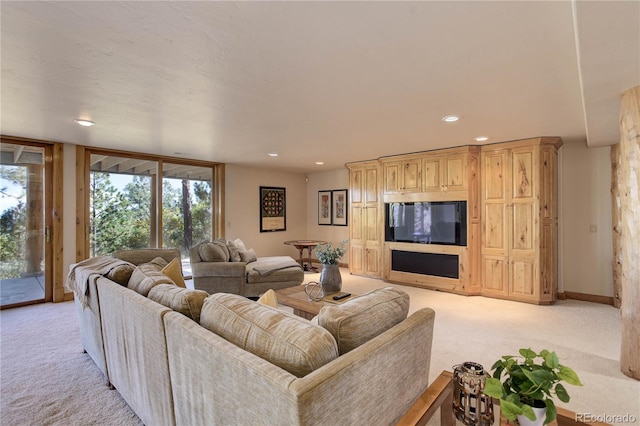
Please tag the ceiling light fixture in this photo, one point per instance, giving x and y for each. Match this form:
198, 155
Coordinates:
85, 123
481, 138
450, 118
272, 154
319, 163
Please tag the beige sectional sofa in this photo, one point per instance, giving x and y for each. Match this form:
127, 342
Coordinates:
222, 266
183, 357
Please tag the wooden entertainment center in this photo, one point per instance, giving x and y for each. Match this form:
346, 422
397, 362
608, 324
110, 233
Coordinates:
509, 246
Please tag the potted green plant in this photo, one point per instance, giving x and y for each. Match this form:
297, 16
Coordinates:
330, 278
527, 384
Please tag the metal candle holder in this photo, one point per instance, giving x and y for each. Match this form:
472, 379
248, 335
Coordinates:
470, 405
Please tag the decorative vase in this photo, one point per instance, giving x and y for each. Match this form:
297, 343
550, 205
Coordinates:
330, 279
541, 414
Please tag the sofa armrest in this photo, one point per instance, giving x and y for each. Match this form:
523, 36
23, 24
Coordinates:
218, 269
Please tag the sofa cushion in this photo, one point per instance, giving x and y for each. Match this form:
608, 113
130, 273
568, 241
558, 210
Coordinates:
148, 275
360, 319
234, 251
173, 270
186, 301
121, 273
248, 256
211, 252
290, 342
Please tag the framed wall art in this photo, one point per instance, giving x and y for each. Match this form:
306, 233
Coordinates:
324, 207
273, 209
339, 207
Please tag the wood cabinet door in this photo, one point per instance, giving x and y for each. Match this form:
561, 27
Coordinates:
391, 176
455, 172
372, 261
495, 242
356, 258
431, 173
356, 186
371, 195
411, 175
523, 281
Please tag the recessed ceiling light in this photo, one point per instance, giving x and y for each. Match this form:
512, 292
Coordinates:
481, 138
450, 118
85, 123
319, 163
272, 154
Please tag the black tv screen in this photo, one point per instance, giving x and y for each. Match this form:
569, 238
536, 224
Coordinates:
435, 222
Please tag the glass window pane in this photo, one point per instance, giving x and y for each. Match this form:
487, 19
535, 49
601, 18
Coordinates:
186, 208
121, 205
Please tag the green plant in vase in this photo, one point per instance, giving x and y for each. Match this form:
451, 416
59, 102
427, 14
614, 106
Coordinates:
530, 381
330, 278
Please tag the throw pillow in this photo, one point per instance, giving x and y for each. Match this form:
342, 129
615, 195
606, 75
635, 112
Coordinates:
269, 298
173, 270
360, 319
248, 256
210, 252
121, 273
241, 247
186, 301
283, 339
148, 275
234, 251
222, 243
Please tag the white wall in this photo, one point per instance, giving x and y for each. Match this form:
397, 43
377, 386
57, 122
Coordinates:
585, 220
325, 181
242, 209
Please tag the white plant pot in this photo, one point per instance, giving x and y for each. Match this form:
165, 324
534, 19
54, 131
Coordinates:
541, 414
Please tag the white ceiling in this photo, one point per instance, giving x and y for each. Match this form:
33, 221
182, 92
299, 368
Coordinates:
314, 81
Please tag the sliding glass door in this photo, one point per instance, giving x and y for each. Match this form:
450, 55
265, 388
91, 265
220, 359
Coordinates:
24, 230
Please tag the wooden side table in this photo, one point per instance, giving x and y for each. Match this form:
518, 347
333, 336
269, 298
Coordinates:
301, 245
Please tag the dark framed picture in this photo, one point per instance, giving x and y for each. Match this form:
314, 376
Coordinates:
339, 207
273, 209
324, 207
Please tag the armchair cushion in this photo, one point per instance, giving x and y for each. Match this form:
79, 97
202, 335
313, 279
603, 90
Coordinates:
360, 319
288, 341
121, 273
234, 251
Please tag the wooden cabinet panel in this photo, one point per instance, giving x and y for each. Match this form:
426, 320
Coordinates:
523, 278
494, 274
455, 172
523, 227
391, 177
523, 179
364, 231
431, 173
519, 203
402, 176
494, 227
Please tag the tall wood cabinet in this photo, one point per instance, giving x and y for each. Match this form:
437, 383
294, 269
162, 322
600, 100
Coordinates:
365, 223
519, 220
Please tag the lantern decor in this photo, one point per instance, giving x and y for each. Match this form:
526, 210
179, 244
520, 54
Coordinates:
470, 405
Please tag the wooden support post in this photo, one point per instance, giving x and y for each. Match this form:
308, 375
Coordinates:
615, 216
629, 187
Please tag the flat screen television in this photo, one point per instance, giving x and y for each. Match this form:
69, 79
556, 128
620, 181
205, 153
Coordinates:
435, 222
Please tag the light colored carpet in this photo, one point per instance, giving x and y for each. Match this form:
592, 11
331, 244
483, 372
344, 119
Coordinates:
46, 379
